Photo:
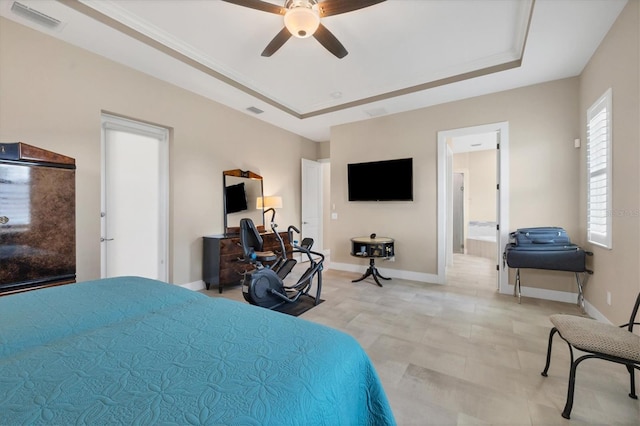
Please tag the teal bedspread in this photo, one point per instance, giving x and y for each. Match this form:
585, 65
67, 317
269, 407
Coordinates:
136, 351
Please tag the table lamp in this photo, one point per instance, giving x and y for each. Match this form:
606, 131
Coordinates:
269, 203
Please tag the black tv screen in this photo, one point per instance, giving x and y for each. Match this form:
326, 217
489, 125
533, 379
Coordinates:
390, 180
235, 198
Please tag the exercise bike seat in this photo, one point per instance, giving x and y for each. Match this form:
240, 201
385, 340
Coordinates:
264, 256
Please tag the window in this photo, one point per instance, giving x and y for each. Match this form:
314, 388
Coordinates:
599, 171
15, 195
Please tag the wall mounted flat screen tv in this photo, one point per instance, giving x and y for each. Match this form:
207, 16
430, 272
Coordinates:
390, 180
235, 198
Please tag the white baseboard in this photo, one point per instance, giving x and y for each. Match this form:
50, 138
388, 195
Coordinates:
195, 286
543, 293
391, 273
594, 313
559, 296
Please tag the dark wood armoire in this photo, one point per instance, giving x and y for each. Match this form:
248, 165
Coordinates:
37, 218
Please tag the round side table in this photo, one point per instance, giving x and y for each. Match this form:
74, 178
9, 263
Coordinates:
372, 247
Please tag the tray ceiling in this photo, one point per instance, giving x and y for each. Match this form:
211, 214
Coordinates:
403, 54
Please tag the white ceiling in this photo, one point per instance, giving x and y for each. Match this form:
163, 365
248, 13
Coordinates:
403, 54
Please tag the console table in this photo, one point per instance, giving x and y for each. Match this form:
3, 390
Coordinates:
372, 247
222, 257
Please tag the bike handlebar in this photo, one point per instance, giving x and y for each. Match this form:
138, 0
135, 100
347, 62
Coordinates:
289, 230
300, 249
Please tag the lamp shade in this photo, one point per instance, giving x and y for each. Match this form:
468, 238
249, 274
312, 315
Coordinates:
302, 22
269, 202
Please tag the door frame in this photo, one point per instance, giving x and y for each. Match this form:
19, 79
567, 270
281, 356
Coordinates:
114, 122
502, 199
305, 163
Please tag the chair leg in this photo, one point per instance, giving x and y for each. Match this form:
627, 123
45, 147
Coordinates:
633, 381
546, 366
566, 413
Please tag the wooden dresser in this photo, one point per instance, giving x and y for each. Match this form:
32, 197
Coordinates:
222, 263
37, 218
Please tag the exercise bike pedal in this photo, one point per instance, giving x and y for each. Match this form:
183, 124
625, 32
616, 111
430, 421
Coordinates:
278, 264
286, 267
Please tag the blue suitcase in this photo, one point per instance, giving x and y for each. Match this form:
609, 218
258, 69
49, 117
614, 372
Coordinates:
541, 235
556, 257
545, 248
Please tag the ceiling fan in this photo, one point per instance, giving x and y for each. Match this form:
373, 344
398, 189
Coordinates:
302, 20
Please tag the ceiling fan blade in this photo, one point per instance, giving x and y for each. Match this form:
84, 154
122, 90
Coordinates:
336, 7
277, 42
330, 42
259, 5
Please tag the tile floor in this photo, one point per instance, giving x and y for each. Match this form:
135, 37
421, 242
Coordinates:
463, 354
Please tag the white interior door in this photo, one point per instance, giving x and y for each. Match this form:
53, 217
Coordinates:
312, 202
134, 199
458, 212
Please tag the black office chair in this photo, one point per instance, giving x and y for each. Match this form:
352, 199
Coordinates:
252, 243
598, 340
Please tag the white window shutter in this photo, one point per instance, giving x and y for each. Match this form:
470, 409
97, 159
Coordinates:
599, 213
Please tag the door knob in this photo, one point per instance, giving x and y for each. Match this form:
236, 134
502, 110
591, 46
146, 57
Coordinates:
102, 240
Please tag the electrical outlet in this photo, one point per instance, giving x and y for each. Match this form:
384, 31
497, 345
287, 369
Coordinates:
609, 298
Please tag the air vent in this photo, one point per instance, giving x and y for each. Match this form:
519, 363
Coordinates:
34, 15
255, 110
375, 112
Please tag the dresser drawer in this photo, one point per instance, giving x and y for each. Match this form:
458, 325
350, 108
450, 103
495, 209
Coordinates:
222, 257
230, 246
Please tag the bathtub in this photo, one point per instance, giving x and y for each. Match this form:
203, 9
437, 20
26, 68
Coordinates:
481, 239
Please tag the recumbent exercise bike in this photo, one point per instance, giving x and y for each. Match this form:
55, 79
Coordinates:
264, 286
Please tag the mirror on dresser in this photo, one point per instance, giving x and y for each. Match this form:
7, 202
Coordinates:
240, 191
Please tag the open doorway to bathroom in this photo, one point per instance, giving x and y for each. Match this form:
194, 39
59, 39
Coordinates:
473, 205
473, 210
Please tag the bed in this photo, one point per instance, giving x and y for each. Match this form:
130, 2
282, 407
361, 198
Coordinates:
133, 350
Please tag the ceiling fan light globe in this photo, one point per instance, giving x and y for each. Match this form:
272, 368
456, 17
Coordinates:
302, 22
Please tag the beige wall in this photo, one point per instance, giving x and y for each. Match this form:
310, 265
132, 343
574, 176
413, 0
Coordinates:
544, 176
616, 64
325, 155
460, 164
480, 171
547, 174
52, 95
324, 150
